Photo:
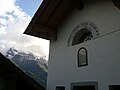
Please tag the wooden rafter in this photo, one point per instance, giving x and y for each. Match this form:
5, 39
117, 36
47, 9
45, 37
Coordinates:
49, 17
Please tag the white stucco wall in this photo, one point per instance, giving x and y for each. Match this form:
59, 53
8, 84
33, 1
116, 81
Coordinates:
103, 52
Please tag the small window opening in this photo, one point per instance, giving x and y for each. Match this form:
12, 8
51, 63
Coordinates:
60, 88
114, 87
82, 36
84, 86
82, 57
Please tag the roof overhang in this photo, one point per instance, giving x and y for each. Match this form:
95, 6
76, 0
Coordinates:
50, 16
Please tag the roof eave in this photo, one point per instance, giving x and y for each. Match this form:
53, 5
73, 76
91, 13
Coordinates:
50, 15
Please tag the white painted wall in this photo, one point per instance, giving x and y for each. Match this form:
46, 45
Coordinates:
103, 52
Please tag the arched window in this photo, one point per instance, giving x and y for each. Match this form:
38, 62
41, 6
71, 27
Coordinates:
82, 36
83, 32
117, 3
82, 57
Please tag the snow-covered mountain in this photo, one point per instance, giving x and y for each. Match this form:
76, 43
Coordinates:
32, 65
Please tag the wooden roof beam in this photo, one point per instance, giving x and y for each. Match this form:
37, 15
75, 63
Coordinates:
43, 32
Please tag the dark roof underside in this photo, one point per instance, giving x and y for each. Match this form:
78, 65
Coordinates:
49, 17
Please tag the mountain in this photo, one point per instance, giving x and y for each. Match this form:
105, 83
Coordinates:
32, 65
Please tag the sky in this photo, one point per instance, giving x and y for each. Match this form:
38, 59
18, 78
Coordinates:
15, 16
29, 6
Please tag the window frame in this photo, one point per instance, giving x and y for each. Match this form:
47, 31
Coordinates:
78, 58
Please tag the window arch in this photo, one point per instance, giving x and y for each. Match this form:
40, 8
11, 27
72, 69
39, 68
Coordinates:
83, 32
117, 3
82, 36
82, 57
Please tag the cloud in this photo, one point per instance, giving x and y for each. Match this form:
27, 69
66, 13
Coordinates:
7, 6
13, 22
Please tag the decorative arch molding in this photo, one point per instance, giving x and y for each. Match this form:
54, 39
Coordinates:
85, 25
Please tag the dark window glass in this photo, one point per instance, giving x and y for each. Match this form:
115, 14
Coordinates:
116, 3
86, 37
84, 86
82, 36
60, 88
114, 87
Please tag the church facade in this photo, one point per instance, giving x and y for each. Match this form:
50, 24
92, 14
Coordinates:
84, 46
